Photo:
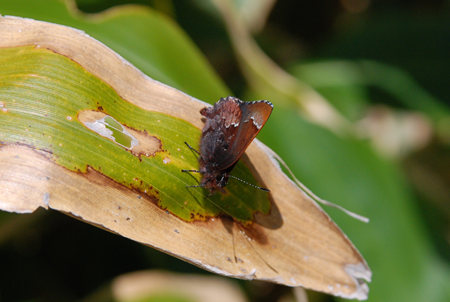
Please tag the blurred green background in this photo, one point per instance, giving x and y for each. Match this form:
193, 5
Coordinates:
383, 66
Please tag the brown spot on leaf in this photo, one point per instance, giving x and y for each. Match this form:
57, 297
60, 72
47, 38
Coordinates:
100, 179
148, 145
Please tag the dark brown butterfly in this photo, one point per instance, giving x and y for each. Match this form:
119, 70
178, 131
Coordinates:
230, 126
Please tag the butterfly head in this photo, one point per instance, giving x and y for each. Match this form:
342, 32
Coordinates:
212, 178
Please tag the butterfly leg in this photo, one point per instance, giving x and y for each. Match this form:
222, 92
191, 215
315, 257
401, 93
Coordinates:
195, 186
192, 171
187, 171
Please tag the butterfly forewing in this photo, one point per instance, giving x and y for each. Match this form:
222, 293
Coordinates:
253, 117
220, 128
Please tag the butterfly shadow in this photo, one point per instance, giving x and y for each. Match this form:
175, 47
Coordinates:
254, 230
260, 198
272, 220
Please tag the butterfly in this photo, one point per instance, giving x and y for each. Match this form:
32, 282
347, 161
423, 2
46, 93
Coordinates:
230, 126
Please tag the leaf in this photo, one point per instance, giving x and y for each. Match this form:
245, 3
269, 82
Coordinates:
56, 80
128, 147
146, 38
346, 84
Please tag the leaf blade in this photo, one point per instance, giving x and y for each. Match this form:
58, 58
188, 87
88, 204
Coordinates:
257, 251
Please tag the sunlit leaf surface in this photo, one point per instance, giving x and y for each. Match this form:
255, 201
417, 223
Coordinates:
47, 97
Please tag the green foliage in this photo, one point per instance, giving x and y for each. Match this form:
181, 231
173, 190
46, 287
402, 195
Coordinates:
349, 172
405, 264
347, 84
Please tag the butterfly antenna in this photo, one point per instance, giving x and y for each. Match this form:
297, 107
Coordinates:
247, 183
192, 148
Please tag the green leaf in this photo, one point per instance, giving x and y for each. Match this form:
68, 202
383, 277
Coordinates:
346, 85
149, 40
43, 96
340, 82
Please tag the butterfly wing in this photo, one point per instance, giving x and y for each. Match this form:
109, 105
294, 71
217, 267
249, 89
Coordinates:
253, 117
222, 121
